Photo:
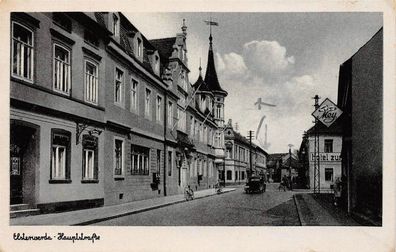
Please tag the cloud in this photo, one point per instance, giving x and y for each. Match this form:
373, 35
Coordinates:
232, 64
267, 58
264, 70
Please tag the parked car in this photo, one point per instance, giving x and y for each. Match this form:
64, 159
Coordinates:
255, 184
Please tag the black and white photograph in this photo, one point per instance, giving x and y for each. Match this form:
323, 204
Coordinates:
197, 119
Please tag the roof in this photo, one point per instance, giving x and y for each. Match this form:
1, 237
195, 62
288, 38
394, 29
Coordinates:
334, 129
276, 156
201, 84
164, 46
211, 74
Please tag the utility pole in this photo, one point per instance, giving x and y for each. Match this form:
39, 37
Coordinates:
250, 152
316, 151
290, 169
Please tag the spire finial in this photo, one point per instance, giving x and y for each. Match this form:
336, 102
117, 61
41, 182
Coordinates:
184, 27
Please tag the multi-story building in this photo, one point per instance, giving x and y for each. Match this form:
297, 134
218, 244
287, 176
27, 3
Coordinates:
329, 156
126, 126
57, 110
237, 157
360, 97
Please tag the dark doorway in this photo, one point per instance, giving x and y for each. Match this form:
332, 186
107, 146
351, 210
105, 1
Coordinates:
21, 154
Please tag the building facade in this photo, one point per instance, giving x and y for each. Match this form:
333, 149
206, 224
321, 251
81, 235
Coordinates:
237, 157
360, 90
127, 125
329, 156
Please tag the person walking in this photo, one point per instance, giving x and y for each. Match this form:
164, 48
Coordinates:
337, 191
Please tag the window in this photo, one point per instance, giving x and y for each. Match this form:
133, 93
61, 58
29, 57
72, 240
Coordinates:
62, 20
200, 167
181, 120
91, 82
228, 154
118, 157
183, 80
243, 175
229, 175
139, 47
205, 135
329, 174
157, 64
134, 95
203, 103
61, 69
140, 160
191, 169
116, 25
91, 38
118, 85
60, 155
147, 104
236, 175
218, 111
158, 110
204, 168
22, 52
170, 163
170, 115
90, 158
328, 145
192, 128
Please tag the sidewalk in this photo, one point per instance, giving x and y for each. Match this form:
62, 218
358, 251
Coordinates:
94, 215
318, 210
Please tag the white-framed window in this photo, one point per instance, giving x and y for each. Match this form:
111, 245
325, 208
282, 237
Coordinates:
61, 69
139, 47
329, 174
90, 158
118, 157
118, 86
181, 122
191, 166
218, 111
22, 52
158, 108
60, 154
147, 103
156, 64
204, 168
170, 114
116, 26
183, 79
91, 82
140, 160
134, 95
203, 103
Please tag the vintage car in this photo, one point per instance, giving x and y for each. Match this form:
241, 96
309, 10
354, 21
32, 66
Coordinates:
255, 184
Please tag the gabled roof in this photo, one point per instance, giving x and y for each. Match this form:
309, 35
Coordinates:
211, 74
334, 129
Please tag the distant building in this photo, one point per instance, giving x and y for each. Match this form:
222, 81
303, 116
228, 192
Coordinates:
237, 157
282, 164
360, 92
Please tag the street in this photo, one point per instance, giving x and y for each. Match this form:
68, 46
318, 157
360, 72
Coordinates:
272, 208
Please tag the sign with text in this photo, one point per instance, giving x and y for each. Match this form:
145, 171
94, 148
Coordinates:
327, 112
327, 157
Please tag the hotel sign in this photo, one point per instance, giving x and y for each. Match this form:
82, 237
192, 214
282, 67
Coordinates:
327, 112
327, 157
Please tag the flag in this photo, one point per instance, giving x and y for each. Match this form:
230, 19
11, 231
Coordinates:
211, 23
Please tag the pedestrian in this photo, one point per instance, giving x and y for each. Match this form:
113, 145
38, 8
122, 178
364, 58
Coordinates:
337, 191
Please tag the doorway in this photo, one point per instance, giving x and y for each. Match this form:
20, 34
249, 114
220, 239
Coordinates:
23, 152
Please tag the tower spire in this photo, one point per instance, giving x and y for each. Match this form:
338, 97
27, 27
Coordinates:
200, 68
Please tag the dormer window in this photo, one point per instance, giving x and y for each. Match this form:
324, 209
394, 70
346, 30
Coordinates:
139, 48
116, 26
156, 64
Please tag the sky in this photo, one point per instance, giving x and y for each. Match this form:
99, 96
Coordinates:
283, 58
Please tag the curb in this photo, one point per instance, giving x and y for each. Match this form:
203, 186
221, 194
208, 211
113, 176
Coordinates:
136, 211
297, 204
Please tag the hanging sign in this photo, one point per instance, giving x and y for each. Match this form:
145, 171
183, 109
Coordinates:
327, 112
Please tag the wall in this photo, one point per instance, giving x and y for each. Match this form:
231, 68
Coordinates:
367, 123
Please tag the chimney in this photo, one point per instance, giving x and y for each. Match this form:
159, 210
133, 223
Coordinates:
184, 27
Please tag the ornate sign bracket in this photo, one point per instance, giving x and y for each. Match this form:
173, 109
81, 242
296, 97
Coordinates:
80, 127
